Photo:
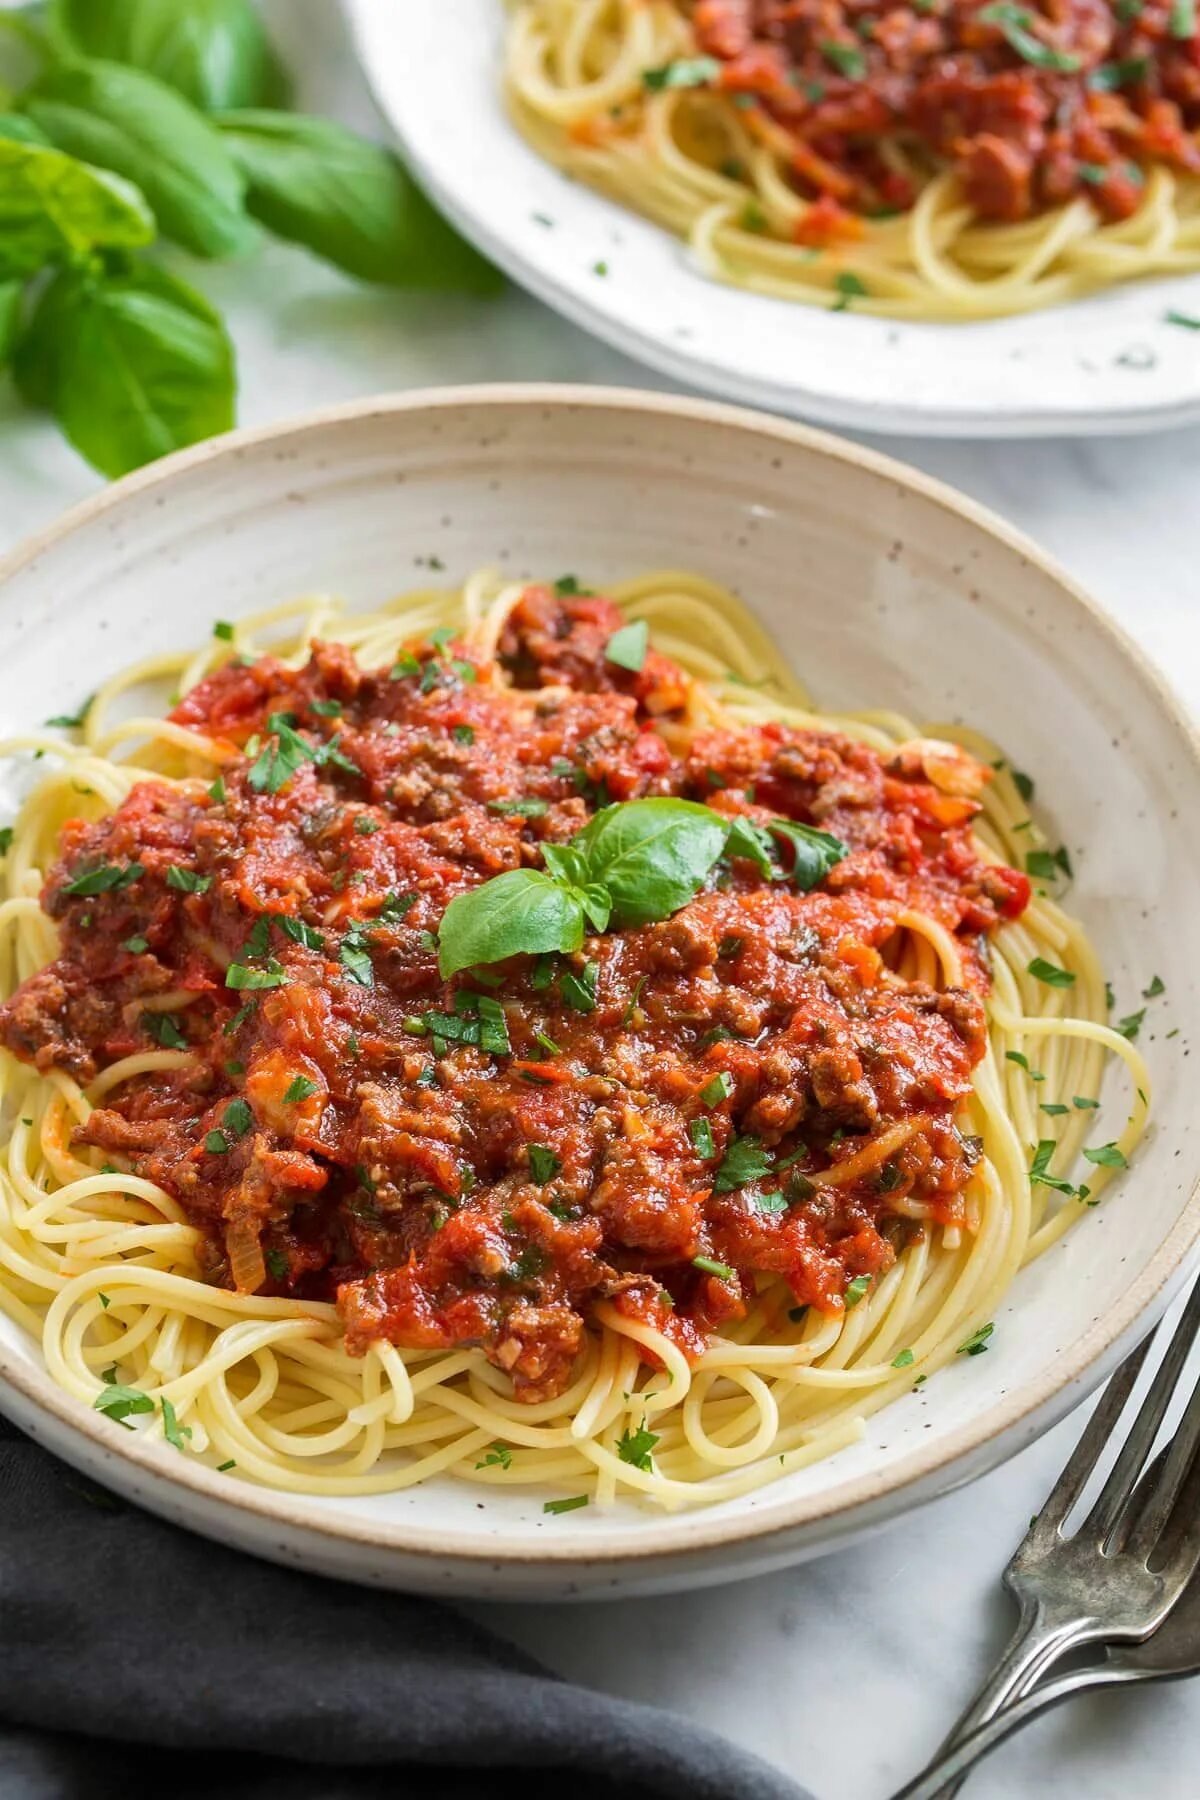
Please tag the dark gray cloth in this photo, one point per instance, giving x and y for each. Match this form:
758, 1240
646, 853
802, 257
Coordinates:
136, 1660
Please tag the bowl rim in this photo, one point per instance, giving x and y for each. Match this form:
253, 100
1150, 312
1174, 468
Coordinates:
982, 1441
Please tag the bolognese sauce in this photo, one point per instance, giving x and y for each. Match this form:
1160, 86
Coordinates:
1030, 104
745, 1089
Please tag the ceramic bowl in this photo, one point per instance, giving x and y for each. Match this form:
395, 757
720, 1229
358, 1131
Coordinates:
1113, 361
885, 590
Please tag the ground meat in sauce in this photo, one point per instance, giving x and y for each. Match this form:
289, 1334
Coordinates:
1031, 105
331, 1144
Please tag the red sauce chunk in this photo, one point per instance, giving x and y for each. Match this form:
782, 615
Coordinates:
650, 1121
1031, 102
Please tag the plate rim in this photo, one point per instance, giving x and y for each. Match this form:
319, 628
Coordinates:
981, 1442
888, 418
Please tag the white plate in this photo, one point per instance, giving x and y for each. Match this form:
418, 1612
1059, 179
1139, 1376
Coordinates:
1106, 364
885, 590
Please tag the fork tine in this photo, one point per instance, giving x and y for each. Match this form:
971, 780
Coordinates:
1110, 1517
1156, 1513
1088, 1451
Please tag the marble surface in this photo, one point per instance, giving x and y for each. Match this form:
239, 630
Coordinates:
846, 1671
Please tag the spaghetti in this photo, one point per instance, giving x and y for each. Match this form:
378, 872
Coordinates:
944, 160
666, 1210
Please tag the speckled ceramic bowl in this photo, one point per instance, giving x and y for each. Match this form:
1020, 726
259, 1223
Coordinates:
885, 590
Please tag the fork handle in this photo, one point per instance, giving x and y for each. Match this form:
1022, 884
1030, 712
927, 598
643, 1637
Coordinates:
1037, 1642
950, 1768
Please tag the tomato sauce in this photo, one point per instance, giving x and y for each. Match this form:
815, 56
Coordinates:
1031, 104
481, 1160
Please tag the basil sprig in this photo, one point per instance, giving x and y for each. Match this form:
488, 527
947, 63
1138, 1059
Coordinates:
632, 864
153, 119
1014, 24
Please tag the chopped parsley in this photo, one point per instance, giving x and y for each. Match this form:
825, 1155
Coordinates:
847, 59
165, 1029
855, 1290
849, 287
565, 1506
1157, 986
718, 1089
1051, 974
903, 1359
1022, 1062
526, 806
299, 1088
685, 72
238, 975
700, 1132
1131, 1024
355, 958
173, 1431
499, 1456
1107, 1156
224, 630
745, 1160
1039, 1169
136, 945
579, 991
635, 1447
237, 1118
1014, 23
106, 879
187, 881
544, 1165
216, 1143
977, 1343
464, 734
119, 1402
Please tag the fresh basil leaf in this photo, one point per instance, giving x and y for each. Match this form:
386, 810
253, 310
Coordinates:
123, 119
754, 843
690, 71
20, 129
349, 200
814, 852
133, 365
52, 206
213, 52
651, 855
519, 912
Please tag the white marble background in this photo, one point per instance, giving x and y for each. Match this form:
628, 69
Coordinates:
846, 1671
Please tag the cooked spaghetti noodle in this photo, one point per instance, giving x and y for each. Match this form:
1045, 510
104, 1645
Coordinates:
947, 160
692, 1381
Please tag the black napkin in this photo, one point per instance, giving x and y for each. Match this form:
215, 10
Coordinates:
137, 1660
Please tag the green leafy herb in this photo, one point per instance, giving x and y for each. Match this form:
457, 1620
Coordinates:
626, 648
299, 1088
1050, 973
187, 881
464, 734
855, 1290
707, 1266
700, 1132
1015, 24
132, 362
350, 201
1084, 1104
1022, 1062
847, 59
223, 1467
123, 119
1107, 77
745, 1160
105, 880
1181, 20
544, 1165
355, 957
119, 1402
636, 1447
719, 1088
238, 975
814, 852
237, 1118
977, 1343
1039, 1169
520, 912
1131, 1024
1054, 1108
163, 1027
214, 52
651, 855
216, 1143
685, 72
1107, 1156
579, 991
1187, 321
1157, 986
6, 838
499, 1456
903, 1360
849, 287
217, 792
565, 1506
53, 206
526, 806
173, 1431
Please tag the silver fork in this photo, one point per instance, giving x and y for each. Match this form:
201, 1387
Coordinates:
1117, 1577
